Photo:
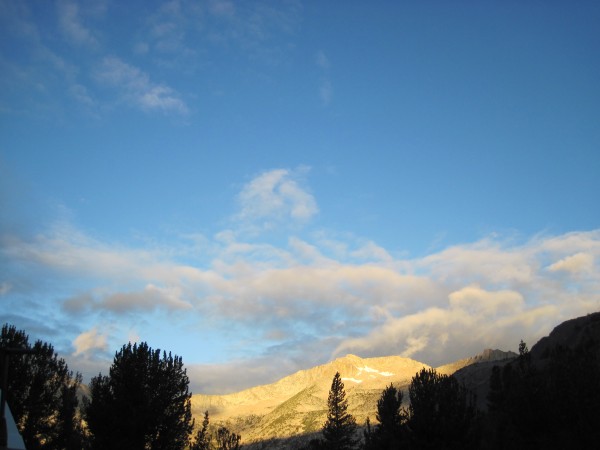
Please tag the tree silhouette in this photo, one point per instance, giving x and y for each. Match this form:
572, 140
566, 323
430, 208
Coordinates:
226, 440
143, 403
389, 432
339, 431
202, 441
441, 415
552, 402
42, 394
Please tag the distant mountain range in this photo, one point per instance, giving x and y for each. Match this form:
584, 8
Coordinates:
297, 405
288, 412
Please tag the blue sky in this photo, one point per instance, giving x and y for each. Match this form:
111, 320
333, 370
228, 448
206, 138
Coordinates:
263, 186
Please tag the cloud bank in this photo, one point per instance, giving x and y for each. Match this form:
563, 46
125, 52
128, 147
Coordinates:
301, 302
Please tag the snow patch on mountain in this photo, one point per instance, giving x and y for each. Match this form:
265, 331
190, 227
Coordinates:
375, 371
354, 380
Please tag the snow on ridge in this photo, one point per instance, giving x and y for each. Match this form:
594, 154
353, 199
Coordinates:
370, 370
354, 380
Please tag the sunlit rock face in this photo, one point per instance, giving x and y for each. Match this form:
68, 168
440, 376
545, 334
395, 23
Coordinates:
297, 404
294, 407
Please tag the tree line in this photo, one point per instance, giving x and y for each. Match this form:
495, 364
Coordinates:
440, 415
144, 403
551, 404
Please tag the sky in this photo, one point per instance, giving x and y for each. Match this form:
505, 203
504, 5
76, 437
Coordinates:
260, 187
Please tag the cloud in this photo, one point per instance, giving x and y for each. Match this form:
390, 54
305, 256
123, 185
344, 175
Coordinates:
80, 93
71, 25
580, 262
222, 8
322, 60
89, 341
373, 252
151, 297
276, 196
326, 92
473, 319
5, 288
325, 86
330, 295
137, 89
148, 299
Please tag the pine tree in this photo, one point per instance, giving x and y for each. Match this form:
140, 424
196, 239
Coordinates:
388, 433
441, 414
144, 403
226, 440
42, 394
202, 441
339, 430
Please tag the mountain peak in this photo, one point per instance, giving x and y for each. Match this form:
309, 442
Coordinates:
487, 355
348, 358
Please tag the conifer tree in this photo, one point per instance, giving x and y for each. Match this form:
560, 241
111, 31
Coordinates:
42, 394
388, 433
441, 414
226, 440
202, 441
339, 430
143, 403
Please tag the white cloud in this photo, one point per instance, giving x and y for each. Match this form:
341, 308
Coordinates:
372, 252
137, 88
474, 300
577, 263
89, 341
276, 196
347, 294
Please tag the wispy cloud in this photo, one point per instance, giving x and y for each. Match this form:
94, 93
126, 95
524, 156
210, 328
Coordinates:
89, 341
577, 263
137, 89
222, 8
276, 196
149, 298
325, 86
72, 26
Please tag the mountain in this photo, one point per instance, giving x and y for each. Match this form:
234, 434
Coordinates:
297, 404
287, 413
569, 334
487, 356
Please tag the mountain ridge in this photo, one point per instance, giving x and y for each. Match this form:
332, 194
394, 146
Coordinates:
297, 404
286, 413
